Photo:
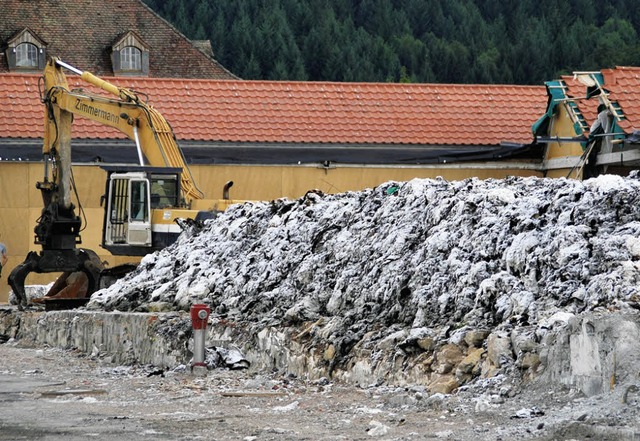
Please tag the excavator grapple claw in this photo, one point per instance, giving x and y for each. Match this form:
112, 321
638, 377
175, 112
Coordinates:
81, 270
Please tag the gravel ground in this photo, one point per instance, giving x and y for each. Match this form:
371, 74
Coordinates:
53, 394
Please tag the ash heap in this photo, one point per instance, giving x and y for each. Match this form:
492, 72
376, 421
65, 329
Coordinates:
423, 267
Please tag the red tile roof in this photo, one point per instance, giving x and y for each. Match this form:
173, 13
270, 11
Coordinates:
623, 86
305, 112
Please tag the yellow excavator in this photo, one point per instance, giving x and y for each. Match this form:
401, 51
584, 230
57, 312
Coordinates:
143, 204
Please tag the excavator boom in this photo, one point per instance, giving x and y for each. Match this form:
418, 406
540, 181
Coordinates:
139, 121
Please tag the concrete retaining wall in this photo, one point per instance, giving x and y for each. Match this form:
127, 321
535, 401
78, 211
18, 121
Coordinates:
595, 353
125, 337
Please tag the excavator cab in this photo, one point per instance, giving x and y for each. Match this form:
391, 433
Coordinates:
141, 209
128, 210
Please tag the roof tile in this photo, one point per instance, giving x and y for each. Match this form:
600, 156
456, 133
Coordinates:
623, 87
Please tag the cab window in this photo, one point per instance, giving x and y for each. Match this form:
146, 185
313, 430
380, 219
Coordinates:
138, 207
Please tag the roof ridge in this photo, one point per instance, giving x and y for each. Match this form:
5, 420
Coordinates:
336, 83
314, 84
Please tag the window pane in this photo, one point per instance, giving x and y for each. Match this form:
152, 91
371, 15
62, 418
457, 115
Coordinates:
130, 58
26, 55
138, 201
164, 192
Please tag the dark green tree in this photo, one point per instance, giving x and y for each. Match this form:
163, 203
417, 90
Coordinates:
477, 41
616, 44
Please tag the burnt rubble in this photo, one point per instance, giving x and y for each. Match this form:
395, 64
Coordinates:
467, 276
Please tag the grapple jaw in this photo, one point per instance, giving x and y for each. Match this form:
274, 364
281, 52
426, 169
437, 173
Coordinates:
77, 260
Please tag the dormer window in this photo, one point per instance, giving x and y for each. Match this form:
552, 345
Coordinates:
26, 52
130, 55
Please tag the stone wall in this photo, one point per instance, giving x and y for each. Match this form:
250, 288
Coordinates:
594, 353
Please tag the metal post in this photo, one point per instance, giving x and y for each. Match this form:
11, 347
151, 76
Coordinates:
199, 318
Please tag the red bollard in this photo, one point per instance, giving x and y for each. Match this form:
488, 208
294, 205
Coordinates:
199, 318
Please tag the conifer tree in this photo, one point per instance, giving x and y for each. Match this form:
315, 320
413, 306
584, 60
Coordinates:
452, 41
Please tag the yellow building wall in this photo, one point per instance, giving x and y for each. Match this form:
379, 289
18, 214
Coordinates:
21, 202
272, 182
562, 126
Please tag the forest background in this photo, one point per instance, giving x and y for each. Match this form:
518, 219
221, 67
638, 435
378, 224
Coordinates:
426, 41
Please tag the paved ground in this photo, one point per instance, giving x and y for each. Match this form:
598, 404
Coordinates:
51, 394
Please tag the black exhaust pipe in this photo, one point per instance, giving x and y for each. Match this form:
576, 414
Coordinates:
225, 190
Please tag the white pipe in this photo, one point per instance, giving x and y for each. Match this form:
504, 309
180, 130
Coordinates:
135, 136
68, 66
199, 340
199, 318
